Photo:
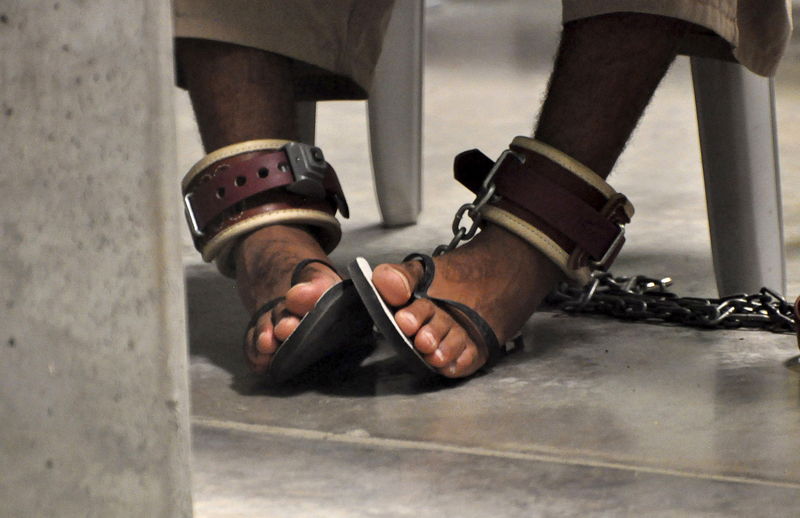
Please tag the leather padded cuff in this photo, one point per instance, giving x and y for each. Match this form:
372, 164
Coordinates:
238, 189
570, 214
538, 240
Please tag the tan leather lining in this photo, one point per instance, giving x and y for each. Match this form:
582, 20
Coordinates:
537, 239
220, 247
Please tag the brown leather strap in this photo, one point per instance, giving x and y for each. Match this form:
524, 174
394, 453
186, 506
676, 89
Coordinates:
229, 182
242, 186
583, 223
235, 179
570, 215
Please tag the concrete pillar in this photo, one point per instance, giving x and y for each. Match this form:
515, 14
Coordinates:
93, 384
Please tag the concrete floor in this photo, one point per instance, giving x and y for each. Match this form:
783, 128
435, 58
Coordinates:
595, 417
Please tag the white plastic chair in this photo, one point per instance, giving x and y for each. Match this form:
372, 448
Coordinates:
739, 145
395, 117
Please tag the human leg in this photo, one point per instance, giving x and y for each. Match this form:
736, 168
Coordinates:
242, 94
245, 65
606, 72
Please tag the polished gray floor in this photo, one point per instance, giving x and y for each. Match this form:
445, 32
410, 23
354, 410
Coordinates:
595, 417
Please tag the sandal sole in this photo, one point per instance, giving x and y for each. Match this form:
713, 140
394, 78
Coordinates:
361, 274
338, 320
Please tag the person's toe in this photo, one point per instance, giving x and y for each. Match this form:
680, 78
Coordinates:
394, 282
411, 318
468, 362
285, 327
266, 343
314, 282
259, 346
450, 348
301, 298
430, 335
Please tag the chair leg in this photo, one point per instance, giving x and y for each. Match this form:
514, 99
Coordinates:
307, 121
738, 139
395, 116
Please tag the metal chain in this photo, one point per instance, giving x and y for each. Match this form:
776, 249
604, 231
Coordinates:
461, 233
643, 298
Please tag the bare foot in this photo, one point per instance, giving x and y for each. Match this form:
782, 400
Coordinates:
497, 274
264, 264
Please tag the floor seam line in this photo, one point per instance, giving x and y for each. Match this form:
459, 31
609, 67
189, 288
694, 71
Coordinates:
407, 444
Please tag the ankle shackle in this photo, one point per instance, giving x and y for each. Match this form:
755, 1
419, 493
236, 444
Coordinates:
238, 189
573, 216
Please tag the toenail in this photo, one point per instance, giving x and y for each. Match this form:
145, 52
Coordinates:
451, 369
408, 317
262, 338
428, 338
402, 278
438, 355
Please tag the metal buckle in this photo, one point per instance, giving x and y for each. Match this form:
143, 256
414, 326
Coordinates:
473, 210
190, 217
308, 167
615, 247
489, 180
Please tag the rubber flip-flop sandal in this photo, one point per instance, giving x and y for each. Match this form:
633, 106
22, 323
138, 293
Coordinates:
480, 332
797, 319
383, 317
337, 321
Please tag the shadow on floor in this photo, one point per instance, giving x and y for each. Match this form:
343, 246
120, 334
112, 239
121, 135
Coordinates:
215, 318
216, 322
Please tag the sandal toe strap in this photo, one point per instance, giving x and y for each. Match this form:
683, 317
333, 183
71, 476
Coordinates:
428, 272
305, 262
260, 313
475, 325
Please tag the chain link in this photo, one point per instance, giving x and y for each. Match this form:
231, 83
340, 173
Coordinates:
643, 298
473, 210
